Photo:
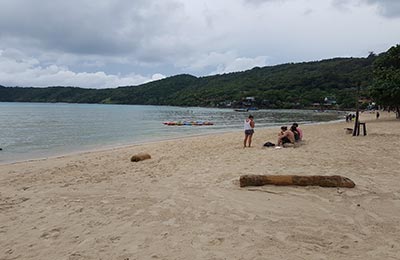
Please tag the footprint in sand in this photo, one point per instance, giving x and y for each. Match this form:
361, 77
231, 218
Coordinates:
217, 241
52, 234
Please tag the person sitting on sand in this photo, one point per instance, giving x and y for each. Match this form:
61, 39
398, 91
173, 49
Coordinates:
285, 136
299, 131
296, 134
248, 130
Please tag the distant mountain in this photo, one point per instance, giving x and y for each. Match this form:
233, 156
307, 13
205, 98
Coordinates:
294, 85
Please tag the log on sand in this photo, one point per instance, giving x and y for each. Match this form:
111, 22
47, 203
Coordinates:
140, 157
284, 180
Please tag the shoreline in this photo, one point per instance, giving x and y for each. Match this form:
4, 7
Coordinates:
103, 148
185, 202
19, 146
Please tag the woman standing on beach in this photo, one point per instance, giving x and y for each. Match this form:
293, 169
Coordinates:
248, 130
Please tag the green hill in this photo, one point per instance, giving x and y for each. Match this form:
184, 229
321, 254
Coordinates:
294, 85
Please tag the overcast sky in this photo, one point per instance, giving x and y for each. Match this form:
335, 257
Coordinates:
110, 43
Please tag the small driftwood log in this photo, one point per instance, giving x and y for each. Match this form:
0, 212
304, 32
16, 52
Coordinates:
284, 180
140, 157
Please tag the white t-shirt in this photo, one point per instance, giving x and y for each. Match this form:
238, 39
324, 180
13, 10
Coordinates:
247, 125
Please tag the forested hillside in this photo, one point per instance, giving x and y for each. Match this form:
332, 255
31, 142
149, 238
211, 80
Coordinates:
283, 86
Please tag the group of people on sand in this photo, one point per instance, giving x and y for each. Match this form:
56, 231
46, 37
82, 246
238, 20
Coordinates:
285, 136
350, 117
290, 136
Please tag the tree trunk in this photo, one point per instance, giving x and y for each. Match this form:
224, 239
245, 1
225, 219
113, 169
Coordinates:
284, 180
356, 127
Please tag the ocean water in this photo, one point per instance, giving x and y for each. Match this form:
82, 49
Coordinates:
39, 130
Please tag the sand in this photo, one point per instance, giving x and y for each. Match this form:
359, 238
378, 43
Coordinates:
185, 202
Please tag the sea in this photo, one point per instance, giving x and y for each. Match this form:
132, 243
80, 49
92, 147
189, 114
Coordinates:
41, 130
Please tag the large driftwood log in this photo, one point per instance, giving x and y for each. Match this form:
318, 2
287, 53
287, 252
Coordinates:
140, 157
283, 180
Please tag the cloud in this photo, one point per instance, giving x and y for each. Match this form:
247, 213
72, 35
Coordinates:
226, 62
16, 69
127, 42
240, 64
115, 36
257, 2
386, 8
87, 27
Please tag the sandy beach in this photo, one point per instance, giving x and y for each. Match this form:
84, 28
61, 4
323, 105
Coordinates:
185, 202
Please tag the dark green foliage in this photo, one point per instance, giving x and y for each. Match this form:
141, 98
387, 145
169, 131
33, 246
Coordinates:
52, 94
386, 87
282, 86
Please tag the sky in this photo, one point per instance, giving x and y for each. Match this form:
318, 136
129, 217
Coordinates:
111, 43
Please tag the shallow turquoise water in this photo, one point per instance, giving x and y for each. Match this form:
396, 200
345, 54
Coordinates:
37, 130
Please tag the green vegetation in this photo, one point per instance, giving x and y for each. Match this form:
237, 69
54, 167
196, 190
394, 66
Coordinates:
386, 86
283, 86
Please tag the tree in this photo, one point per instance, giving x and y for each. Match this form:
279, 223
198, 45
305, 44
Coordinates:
386, 86
281, 86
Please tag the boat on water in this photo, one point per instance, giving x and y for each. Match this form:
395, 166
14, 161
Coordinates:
188, 123
241, 109
252, 109
246, 109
